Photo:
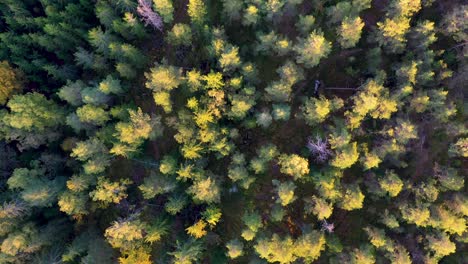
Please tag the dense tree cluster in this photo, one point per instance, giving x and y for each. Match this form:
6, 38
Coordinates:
233, 131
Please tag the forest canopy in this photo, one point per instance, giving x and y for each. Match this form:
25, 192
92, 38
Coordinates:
233, 131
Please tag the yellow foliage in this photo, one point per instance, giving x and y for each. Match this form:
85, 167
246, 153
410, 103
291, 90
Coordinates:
395, 28
10, 81
163, 99
370, 160
197, 230
346, 156
214, 80
136, 256
420, 103
350, 32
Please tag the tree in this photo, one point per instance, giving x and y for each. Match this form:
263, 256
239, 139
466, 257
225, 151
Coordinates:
253, 221
377, 237
11, 81
110, 192
373, 100
165, 9
392, 32
175, 204
31, 129
139, 255
293, 165
235, 248
391, 183
250, 16
455, 23
319, 207
364, 254
34, 187
459, 148
230, 60
149, 16
212, 215
157, 184
281, 112
197, 11
276, 249
264, 119
71, 92
350, 32
316, 110
162, 80
92, 114
440, 245
312, 49
404, 7
214, 80
352, 198
418, 215
305, 24
46, 114
187, 253
134, 132
121, 234
285, 191
345, 156
205, 190
197, 230
110, 85
73, 203
181, 34
309, 245
93, 96
280, 91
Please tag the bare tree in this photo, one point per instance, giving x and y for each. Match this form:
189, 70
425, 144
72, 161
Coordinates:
149, 16
319, 148
328, 227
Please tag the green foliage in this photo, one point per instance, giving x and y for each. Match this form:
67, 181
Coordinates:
281, 112
230, 60
181, 34
46, 113
285, 191
34, 187
165, 8
148, 131
350, 32
391, 183
317, 110
187, 253
306, 247
156, 184
92, 114
319, 207
235, 248
73, 203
